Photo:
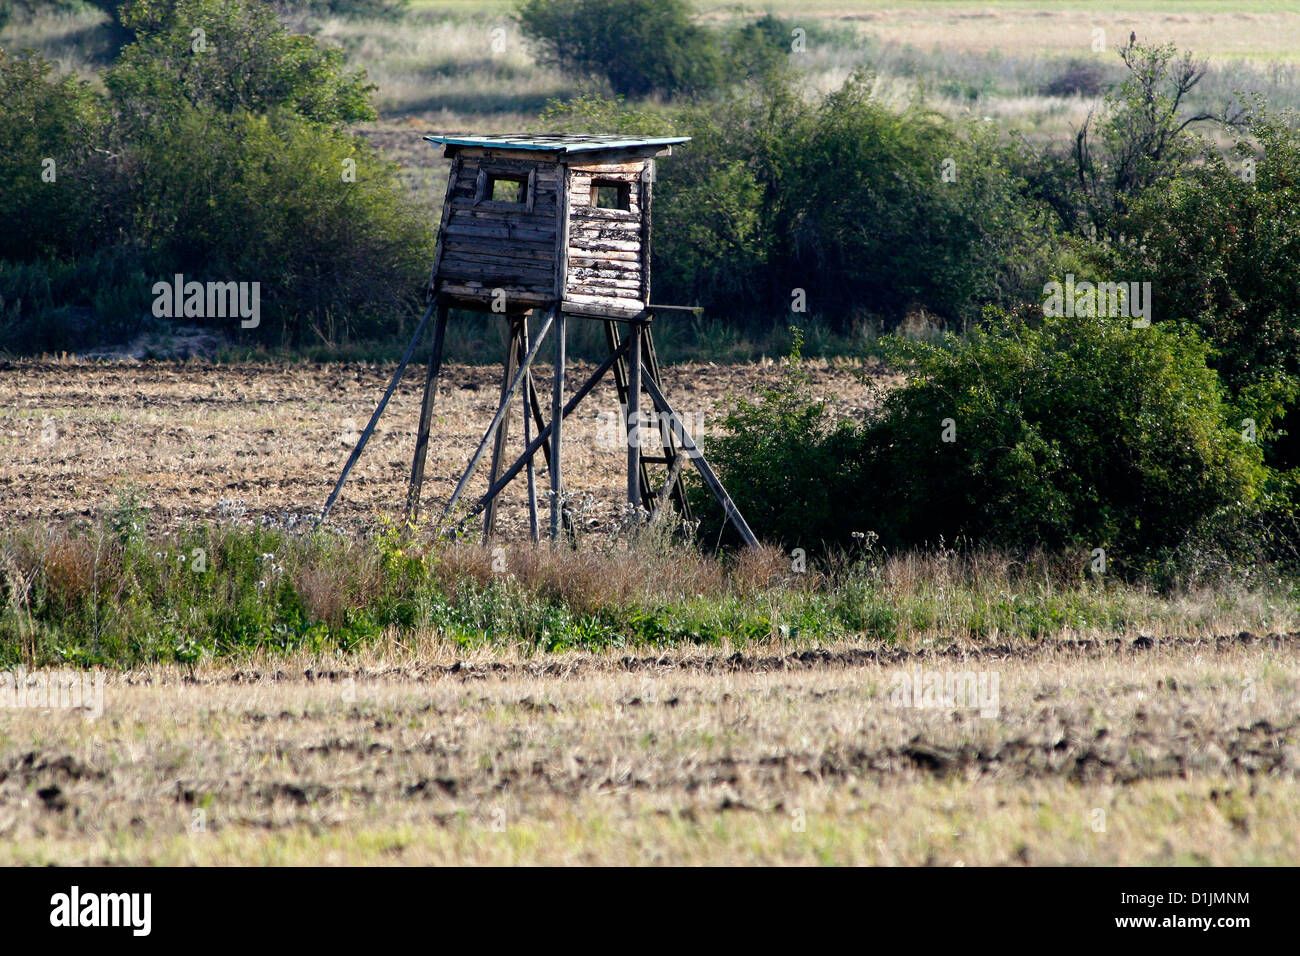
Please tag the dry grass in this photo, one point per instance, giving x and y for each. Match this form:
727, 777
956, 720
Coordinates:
74, 40
467, 69
1170, 755
1266, 30
457, 66
990, 62
91, 596
330, 588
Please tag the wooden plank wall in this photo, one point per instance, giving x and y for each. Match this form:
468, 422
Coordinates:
605, 245
486, 246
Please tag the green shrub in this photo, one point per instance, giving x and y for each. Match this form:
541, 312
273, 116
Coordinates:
782, 461
244, 59
886, 211
1053, 434
1081, 433
639, 46
759, 46
1221, 248
1143, 136
58, 180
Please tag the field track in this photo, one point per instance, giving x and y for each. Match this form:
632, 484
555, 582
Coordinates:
764, 662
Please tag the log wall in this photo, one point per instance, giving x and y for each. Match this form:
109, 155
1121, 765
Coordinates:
606, 250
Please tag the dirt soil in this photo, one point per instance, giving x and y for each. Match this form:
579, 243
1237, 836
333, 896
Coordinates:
200, 441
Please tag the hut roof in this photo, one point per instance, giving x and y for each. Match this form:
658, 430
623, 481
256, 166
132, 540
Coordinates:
563, 143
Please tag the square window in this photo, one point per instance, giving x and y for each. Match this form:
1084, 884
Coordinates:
512, 189
611, 195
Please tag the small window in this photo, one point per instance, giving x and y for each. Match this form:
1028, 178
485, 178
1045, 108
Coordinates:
611, 195
507, 188
504, 188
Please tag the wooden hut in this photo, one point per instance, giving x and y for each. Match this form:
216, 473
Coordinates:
533, 221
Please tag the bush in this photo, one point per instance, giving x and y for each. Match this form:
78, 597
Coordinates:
1080, 433
263, 199
1064, 433
244, 60
58, 181
887, 211
1222, 252
759, 46
782, 461
639, 46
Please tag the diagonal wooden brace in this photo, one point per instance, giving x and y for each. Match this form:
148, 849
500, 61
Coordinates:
539, 442
706, 471
379, 410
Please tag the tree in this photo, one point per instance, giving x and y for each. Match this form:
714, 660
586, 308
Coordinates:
230, 56
640, 47
1142, 136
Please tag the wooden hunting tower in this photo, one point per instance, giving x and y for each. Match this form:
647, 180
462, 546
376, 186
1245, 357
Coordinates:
547, 220
558, 224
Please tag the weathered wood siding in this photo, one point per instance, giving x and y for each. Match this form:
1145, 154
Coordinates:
606, 246
487, 245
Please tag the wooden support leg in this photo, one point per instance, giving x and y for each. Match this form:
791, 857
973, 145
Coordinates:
426, 416
634, 421
499, 445
621, 373
374, 419
539, 419
557, 424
